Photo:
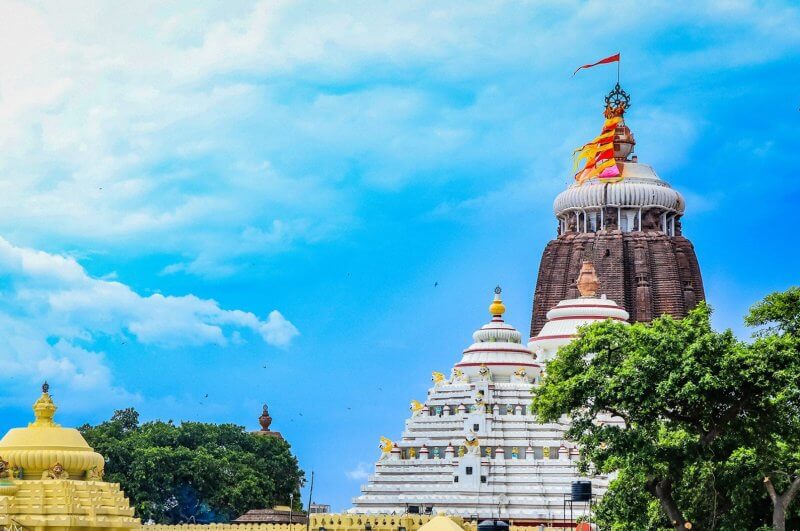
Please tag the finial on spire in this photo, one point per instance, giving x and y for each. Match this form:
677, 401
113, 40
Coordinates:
44, 409
265, 420
587, 282
617, 102
497, 309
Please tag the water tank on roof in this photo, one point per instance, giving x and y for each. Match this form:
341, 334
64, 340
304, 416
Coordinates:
492, 525
581, 491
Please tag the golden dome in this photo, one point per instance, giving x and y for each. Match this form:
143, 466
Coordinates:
44, 443
496, 309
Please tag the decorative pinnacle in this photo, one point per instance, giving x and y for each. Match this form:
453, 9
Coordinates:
587, 282
496, 309
44, 409
617, 102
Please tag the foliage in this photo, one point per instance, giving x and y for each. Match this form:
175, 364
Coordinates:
194, 471
699, 417
778, 313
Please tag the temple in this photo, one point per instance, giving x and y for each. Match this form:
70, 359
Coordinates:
473, 448
629, 227
51, 479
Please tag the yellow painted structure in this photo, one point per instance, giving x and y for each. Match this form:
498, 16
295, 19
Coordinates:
338, 522
51, 480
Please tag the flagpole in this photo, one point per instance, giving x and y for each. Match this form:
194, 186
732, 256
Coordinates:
618, 62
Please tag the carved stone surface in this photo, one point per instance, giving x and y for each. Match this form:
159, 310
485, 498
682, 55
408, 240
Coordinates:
647, 273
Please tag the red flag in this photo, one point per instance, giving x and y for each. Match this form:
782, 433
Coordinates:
610, 59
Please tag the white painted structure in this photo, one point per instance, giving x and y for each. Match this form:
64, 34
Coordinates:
474, 449
565, 318
586, 207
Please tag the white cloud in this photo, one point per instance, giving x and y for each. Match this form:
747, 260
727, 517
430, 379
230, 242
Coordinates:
360, 473
53, 314
194, 130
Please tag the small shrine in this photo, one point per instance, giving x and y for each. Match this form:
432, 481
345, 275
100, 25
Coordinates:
265, 421
50, 478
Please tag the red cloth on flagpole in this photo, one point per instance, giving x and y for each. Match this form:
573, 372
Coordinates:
610, 59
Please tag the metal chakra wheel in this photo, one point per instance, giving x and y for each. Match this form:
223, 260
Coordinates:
618, 99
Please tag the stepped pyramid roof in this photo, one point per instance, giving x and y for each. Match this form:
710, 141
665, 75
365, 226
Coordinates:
473, 449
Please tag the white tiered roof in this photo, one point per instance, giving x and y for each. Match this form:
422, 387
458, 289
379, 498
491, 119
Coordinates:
474, 449
568, 315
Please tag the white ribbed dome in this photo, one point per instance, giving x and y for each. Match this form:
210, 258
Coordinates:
498, 346
640, 188
567, 316
497, 331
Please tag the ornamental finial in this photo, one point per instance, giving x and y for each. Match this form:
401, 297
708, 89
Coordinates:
587, 282
265, 420
44, 409
497, 309
617, 102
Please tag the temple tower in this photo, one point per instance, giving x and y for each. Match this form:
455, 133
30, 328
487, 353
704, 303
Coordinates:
628, 226
51, 480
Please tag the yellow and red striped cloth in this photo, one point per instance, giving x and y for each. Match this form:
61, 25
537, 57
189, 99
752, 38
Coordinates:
599, 156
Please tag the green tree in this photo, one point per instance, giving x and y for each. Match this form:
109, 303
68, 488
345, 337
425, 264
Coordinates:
194, 471
776, 451
681, 393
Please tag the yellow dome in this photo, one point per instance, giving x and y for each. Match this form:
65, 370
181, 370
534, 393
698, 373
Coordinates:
441, 523
44, 443
497, 308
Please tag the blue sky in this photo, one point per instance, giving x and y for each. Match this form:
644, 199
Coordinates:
255, 201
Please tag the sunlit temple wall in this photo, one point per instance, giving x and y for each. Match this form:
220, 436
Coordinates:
337, 522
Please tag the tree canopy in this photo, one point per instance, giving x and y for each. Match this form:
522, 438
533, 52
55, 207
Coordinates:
194, 471
694, 422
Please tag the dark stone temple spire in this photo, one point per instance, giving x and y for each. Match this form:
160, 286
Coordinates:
630, 230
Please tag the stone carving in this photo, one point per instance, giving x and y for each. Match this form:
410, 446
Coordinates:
95, 474
610, 219
572, 224
437, 378
458, 376
520, 375
473, 444
651, 220
55, 472
484, 374
416, 408
6, 471
479, 398
386, 448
